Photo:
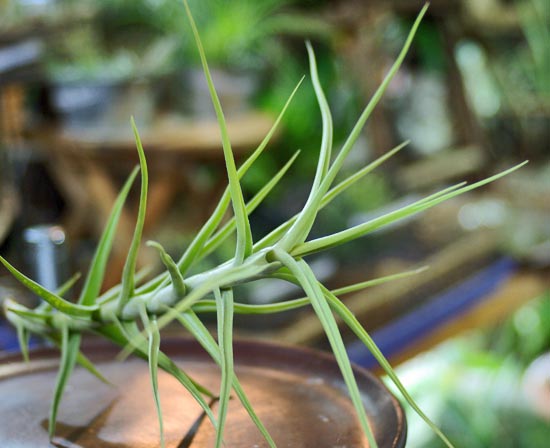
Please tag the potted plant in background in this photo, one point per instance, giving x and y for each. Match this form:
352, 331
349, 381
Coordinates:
96, 82
241, 39
133, 314
234, 38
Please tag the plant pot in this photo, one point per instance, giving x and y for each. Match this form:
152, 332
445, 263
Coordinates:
235, 90
97, 104
80, 104
298, 393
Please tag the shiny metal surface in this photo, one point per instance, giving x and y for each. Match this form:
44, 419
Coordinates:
298, 394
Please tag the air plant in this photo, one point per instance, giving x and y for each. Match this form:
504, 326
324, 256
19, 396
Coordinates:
133, 313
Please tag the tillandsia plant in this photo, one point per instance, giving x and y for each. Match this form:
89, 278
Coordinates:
133, 313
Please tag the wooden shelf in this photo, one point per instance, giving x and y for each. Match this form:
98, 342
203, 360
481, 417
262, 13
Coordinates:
185, 136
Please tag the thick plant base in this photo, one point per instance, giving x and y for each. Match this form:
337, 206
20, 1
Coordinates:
298, 393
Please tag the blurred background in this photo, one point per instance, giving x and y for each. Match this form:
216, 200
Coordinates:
470, 335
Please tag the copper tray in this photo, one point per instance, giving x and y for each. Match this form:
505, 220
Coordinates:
298, 393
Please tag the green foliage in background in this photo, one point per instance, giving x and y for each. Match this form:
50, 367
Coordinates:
535, 22
473, 386
525, 336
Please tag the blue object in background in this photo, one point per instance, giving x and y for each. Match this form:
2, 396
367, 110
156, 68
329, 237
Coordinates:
8, 338
407, 330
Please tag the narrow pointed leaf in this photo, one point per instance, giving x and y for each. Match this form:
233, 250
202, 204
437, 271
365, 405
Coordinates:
85, 362
24, 312
96, 273
66, 286
466, 188
175, 274
128, 273
124, 334
70, 343
279, 232
208, 306
356, 131
252, 158
81, 359
53, 299
18, 315
244, 235
61, 291
378, 281
225, 340
349, 181
376, 223
195, 326
352, 322
153, 354
23, 339
196, 246
310, 284
114, 292
302, 226
326, 118
229, 227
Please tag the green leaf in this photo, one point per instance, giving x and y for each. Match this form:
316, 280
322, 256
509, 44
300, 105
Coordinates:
326, 119
153, 354
195, 326
193, 250
112, 293
359, 230
19, 315
304, 275
209, 306
224, 300
229, 227
271, 308
127, 333
94, 279
352, 322
244, 235
128, 273
302, 226
349, 181
281, 230
356, 131
196, 246
378, 281
54, 300
81, 359
61, 291
23, 339
218, 280
70, 343
175, 275
250, 160
25, 312
66, 286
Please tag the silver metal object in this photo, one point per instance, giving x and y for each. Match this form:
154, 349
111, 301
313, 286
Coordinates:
46, 254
